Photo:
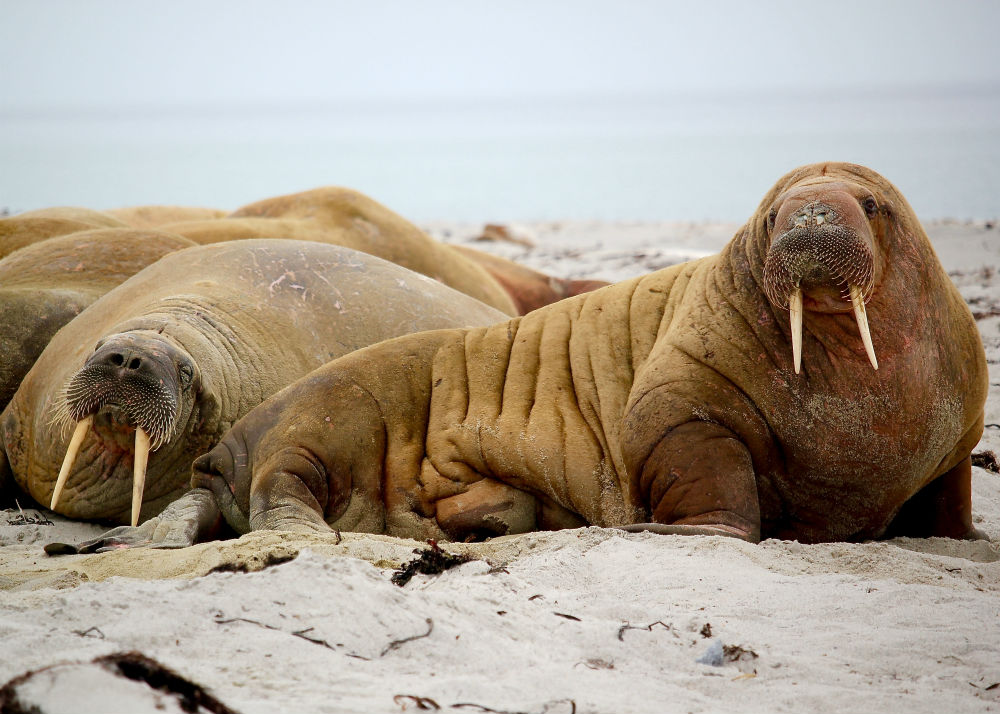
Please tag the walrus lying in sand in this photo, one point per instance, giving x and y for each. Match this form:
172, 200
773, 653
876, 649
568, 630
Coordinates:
46, 284
186, 347
346, 217
31, 227
155, 216
742, 394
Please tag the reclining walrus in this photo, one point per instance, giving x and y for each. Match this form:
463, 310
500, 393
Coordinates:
186, 347
346, 217
741, 394
30, 227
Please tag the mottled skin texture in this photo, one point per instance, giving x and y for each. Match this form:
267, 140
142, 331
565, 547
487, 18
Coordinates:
669, 399
227, 325
31, 227
46, 284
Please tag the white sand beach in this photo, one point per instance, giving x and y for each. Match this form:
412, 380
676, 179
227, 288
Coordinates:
589, 620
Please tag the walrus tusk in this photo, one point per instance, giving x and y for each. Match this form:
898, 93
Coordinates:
861, 316
139, 472
795, 312
82, 427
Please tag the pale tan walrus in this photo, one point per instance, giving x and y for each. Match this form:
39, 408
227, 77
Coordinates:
24, 229
161, 366
346, 217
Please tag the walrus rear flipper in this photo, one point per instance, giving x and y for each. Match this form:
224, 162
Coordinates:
192, 518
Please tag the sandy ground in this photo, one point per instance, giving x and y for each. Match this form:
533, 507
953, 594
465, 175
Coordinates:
589, 620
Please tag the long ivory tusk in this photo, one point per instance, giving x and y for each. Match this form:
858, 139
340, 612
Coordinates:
862, 317
795, 312
82, 427
139, 472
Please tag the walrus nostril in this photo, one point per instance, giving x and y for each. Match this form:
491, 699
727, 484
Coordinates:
815, 212
116, 359
134, 363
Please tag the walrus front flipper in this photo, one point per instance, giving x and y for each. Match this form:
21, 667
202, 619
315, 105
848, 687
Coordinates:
700, 476
675, 529
191, 518
941, 508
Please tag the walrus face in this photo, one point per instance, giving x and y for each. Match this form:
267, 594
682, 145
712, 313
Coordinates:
822, 256
135, 385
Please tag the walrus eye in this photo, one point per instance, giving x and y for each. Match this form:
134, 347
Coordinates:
771, 217
870, 206
187, 373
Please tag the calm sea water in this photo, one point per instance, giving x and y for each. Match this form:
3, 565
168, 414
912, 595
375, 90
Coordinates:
684, 158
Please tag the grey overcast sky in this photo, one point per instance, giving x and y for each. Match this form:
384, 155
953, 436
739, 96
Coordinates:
132, 52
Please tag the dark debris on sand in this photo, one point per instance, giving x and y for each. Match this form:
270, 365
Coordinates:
20, 519
190, 696
431, 561
986, 460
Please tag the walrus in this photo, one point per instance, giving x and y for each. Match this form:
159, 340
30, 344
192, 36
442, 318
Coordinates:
342, 216
46, 284
820, 379
156, 216
346, 217
170, 358
528, 288
30, 227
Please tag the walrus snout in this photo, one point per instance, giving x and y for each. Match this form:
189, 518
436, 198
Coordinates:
818, 258
823, 258
142, 381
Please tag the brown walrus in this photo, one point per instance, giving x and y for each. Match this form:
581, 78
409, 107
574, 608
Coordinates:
156, 216
346, 217
46, 284
186, 347
529, 289
676, 398
31, 227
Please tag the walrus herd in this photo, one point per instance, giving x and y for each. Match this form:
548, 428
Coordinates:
819, 379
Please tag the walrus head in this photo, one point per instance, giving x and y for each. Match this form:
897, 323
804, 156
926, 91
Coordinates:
136, 386
823, 255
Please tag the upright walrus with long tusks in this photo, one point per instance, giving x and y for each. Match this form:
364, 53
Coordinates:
187, 346
673, 402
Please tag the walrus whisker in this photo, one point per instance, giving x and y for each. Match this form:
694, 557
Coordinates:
60, 418
858, 302
795, 313
139, 472
82, 427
